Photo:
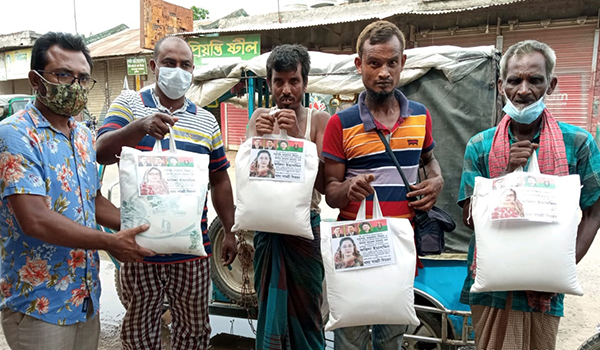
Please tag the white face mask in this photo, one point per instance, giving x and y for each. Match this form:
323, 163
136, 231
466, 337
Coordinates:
525, 115
174, 82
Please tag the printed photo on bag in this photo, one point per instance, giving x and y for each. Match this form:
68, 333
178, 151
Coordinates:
351, 230
153, 183
180, 162
338, 232
262, 165
520, 196
277, 160
144, 161
258, 143
509, 206
270, 144
159, 161
361, 245
167, 176
290, 146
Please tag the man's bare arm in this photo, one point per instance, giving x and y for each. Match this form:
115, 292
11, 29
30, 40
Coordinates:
320, 123
108, 145
37, 221
430, 188
587, 229
107, 214
340, 192
252, 131
222, 198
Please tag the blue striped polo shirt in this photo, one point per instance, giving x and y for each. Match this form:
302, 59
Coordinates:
196, 131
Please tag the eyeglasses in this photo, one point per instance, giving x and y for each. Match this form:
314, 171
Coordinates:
69, 79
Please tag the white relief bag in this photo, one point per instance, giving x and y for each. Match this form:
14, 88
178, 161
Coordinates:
375, 284
526, 231
166, 190
275, 177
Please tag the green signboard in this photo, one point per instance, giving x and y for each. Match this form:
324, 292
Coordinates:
231, 48
137, 66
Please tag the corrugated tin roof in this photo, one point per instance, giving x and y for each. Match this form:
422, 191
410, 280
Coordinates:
123, 43
348, 13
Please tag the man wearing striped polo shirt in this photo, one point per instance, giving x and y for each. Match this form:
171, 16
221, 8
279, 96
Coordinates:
357, 165
137, 119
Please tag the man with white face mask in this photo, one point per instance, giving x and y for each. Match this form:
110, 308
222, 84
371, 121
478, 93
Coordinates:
137, 119
523, 319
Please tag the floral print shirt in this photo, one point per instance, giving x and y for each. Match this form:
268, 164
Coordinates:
52, 283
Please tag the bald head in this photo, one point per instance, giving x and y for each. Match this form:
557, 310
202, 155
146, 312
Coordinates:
166, 39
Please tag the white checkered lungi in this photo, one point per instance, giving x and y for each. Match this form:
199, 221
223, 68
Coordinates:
186, 286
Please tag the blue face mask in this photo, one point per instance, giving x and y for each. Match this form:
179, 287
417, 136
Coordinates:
526, 115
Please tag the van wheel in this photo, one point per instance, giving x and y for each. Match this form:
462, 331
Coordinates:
591, 344
229, 281
431, 326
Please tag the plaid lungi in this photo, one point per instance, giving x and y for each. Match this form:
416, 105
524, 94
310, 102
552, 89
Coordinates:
186, 286
507, 329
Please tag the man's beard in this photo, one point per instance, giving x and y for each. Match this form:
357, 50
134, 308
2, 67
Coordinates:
380, 96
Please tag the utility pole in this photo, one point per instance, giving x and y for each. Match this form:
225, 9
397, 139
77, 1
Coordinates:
75, 15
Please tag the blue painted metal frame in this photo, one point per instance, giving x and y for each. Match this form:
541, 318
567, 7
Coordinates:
251, 96
443, 280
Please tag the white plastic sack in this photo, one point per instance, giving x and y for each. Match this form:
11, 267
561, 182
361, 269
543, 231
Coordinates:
166, 190
370, 295
518, 253
267, 202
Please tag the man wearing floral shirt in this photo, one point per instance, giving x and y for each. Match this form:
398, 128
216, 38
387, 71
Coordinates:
50, 203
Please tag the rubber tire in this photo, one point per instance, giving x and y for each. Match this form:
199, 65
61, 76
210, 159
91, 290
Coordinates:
591, 344
434, 323
215, 234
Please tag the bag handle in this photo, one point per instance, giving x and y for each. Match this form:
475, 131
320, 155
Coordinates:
420, 216
534, 166
172, 146
362, 211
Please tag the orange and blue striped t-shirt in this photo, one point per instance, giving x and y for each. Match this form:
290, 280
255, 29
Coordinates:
351, 138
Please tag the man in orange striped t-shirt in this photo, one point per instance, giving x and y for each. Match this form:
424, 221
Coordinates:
357, 165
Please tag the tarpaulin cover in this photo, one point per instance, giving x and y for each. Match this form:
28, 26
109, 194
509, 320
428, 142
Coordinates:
457, 85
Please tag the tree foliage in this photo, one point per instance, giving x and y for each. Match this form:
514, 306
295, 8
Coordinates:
199, 13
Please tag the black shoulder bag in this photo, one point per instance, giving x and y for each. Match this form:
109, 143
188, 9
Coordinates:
429, 226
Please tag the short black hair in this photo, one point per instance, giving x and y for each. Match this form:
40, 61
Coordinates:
162, 40
66, 41
285, 58
379, 32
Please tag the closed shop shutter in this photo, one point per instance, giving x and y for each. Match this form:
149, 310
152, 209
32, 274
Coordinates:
6, 87
117, 72
457, 40
571, 101
110, 75
233, 124
96, 97
19, 86
217, 113
22, 86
